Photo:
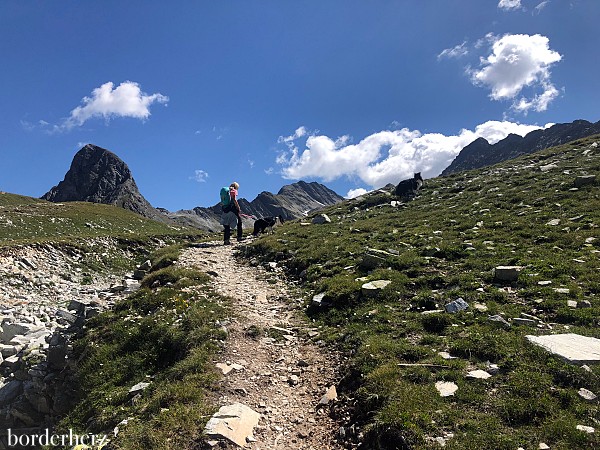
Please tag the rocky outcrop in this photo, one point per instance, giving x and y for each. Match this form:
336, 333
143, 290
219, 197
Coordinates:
481, 153
45, 298
99, 176
291, 202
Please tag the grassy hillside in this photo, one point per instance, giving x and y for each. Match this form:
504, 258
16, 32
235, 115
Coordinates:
25, 220
444, 245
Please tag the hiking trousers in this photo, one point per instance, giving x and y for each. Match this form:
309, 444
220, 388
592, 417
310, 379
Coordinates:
239, 227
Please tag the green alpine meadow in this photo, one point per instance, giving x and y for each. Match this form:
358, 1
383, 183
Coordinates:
538, 214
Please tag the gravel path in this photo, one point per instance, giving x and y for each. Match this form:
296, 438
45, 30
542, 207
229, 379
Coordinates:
284, 376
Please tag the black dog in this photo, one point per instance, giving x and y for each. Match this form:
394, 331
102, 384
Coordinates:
409, 188
261, 225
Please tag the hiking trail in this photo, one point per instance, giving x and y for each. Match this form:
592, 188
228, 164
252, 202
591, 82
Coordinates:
282, 377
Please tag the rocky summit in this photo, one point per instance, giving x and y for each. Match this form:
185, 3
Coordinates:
97, 175
481, 153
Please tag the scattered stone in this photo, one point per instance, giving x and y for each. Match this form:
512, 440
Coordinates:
553, 222
499, 320
587, 395
480, 307
585, 429
446, 355
374, 258
525, 322
373, 288
318, 300
293, 380
543, 446
562, 290
492, 369
544, 283
584, 304
57, 351
224, 368
478, 374
138, 388
446, 388
234, 422
321, 219
10, 391
371, 260
583, 180
571, 303
507, 273
457, 305
329, 396
574, 348
548, 167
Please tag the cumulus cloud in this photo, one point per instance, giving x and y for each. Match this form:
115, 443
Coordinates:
517, 62
353, 193
200, 176
106, 101
509, 5
387, 156
457, 51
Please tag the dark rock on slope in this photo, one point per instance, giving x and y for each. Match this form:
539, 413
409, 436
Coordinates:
291, 202
99, 176
481, 153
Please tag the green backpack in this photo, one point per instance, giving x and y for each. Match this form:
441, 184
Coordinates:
225, 197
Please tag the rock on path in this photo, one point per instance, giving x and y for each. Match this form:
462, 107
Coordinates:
282, 378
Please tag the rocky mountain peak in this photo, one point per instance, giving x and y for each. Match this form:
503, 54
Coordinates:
481, 153
98, 175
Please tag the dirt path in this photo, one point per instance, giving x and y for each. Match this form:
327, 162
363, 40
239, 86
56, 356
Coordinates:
284, 376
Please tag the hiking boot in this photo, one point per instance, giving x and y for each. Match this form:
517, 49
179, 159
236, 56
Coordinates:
227, 243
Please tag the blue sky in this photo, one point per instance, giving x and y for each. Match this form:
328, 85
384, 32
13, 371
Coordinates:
355, 94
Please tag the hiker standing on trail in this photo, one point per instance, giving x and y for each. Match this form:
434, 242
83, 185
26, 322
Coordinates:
231, 213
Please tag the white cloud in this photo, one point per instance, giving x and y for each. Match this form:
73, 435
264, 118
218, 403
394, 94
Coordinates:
300, 132
126, 100
519, 61
353, 193
200, 176
509, 5
387, 156
457, 51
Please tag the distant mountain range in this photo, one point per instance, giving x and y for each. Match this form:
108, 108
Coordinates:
98, 175
291, 202
481, 153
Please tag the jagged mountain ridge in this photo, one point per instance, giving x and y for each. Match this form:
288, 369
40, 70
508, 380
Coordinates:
481, 153
98, 175
291, 202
